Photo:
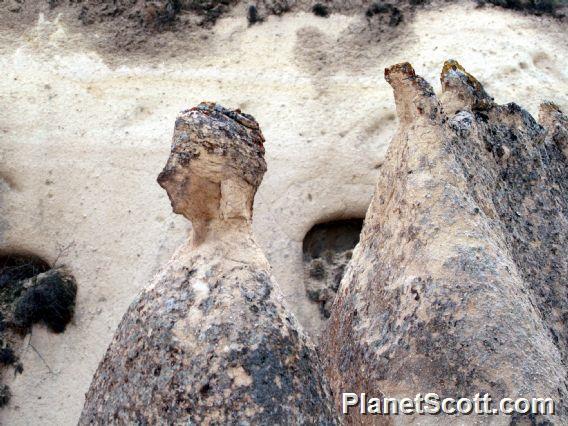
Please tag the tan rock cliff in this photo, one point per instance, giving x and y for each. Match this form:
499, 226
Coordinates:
458, 284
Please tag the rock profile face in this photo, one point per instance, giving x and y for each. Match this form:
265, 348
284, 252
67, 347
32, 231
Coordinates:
210, 340
458, 284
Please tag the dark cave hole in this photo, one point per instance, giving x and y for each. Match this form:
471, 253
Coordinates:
327, 249
334, 236
31, 292
18, 267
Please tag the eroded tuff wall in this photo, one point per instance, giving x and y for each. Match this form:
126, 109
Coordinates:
82, 135
458, 285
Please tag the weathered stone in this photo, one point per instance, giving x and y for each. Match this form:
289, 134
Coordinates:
210, 341
458, 284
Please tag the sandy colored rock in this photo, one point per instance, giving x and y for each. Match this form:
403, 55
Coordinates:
210, 341
83, 175
458, 284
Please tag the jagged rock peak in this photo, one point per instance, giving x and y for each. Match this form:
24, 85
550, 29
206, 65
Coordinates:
461, 89
414, 96
457, 285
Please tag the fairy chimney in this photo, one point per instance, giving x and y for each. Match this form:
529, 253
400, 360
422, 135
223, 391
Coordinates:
458, 284
210, 340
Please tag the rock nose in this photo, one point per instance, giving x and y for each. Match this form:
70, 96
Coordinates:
163, 177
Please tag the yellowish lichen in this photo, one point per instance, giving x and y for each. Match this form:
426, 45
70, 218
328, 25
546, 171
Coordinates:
404, 68
453, 65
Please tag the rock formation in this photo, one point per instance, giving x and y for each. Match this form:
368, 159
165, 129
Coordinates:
458, 284
210, 340
31, 292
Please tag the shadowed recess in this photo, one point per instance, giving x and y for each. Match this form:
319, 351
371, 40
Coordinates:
327, 249
17, 267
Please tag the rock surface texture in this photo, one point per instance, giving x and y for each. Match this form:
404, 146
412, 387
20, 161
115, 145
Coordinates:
458, 284
210, 340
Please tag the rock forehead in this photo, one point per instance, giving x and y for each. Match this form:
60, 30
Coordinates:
215, 118
233, 137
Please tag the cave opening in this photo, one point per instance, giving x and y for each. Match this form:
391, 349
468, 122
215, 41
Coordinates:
18, 267
327, 249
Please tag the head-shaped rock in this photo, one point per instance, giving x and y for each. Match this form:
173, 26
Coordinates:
216, 164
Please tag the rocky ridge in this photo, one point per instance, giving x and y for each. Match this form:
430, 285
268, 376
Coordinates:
458, 284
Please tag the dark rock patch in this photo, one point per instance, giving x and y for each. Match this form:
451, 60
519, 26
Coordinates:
385, 13
31, 292
320, 10
5, 395
536, 7
252, 15
50, 299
